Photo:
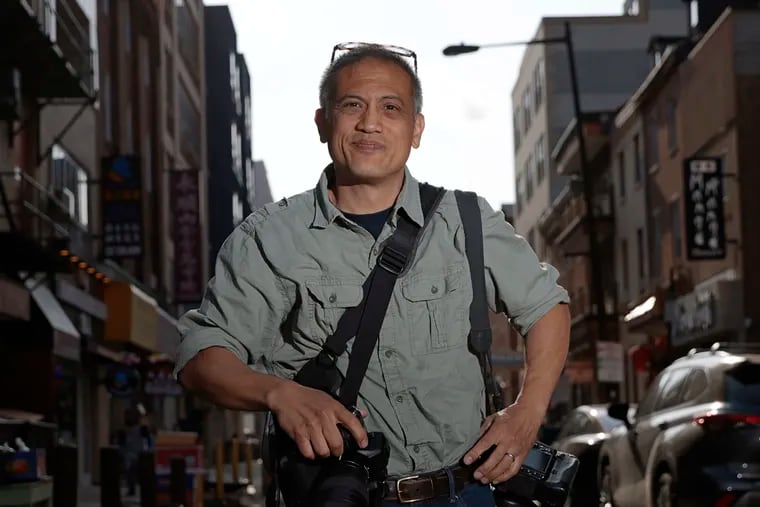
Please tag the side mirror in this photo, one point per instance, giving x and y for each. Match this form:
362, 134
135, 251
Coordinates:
620, 411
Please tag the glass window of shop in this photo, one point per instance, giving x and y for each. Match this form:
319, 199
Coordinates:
190, 126
187, 37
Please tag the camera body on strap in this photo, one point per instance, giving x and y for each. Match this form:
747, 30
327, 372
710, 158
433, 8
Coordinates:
357, 478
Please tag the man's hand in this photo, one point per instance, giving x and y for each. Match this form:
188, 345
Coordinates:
512, 432
311, 417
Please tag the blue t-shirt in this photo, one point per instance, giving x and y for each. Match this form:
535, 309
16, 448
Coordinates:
373, 222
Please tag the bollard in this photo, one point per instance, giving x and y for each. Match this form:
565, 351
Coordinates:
65, 478
148, 480
248, 450
178, 482
219, 470
235, 461
110, 476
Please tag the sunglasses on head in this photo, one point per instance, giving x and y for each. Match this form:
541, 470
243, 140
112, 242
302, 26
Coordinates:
396, 50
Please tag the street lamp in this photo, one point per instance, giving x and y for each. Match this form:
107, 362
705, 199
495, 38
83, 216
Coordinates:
587, 184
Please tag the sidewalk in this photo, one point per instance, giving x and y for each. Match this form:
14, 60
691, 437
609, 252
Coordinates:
89, 496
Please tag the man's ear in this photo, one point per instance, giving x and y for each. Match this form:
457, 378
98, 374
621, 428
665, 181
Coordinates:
419, 127
320, 118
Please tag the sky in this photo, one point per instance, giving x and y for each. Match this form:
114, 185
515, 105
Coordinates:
467, 143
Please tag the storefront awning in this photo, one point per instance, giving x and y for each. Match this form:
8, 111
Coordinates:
66, 342
132, 316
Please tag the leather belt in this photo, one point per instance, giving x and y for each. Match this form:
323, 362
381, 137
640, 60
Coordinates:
416, 488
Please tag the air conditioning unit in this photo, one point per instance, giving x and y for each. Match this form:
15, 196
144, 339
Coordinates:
10, 94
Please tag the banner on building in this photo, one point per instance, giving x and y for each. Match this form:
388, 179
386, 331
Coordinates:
186, 226
703, 213
122, 207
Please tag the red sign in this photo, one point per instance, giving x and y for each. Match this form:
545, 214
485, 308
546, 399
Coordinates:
188, 268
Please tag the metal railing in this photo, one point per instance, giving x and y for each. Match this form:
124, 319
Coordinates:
67, 26
40, 215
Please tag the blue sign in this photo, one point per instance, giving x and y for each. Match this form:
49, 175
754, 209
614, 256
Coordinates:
122, 207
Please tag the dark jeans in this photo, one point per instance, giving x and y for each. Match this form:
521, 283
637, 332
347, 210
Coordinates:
474, 495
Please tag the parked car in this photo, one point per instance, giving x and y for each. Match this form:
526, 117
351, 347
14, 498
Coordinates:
581, 434
694, 439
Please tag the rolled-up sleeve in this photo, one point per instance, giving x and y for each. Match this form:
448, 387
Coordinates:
242, 307
518, 283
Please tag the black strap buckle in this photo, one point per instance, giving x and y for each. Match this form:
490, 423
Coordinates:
392, 260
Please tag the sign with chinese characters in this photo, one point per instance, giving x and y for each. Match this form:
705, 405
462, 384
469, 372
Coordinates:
188, 270
703, 214
122, 207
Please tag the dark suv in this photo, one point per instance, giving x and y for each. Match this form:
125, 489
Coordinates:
694, 439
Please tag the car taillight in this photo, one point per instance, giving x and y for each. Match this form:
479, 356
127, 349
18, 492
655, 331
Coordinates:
716, 422
727, 500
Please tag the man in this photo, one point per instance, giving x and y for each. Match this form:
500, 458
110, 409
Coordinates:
288, 272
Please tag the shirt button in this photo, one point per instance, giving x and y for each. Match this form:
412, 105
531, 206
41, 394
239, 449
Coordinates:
434, 289
416, 449
332, 298
388, 353
399, 399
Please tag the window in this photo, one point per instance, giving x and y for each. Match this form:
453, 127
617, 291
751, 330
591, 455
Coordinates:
107, 111
237, 209
69, 184
529, 178
516, 127
144, 61
671, 392
640, 251
520, 184
654, 145
169, 78
646, 405
250, 181
540, 160
621, 174
625, 272
636, 159
129, 139
656, 243
190, 127
237, 153
127, 27
538, 89
248, 126
187, 38
693, 13
235, 83
105, 6
526, 109
147, 161
672, 127
168, 12
675, 227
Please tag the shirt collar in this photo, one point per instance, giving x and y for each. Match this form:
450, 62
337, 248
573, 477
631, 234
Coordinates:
408, 200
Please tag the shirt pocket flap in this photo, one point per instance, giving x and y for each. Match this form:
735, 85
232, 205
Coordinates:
430, 288
336, 296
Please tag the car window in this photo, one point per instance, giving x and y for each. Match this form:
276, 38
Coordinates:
742, 384
671, 392
696, 385
589, 425
572, 425
646, 406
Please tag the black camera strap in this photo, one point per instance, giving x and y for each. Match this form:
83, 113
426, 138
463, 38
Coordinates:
365, 320
480, 326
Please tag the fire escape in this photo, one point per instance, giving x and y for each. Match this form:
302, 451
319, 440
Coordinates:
46, 60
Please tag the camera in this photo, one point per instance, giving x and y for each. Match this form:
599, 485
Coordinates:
546, 475
356, 479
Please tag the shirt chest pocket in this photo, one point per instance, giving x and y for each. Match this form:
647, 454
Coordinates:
437, 312
330, 301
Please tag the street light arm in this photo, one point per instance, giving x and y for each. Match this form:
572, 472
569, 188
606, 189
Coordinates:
462, 48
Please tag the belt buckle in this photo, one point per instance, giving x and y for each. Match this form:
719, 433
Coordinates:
405, 499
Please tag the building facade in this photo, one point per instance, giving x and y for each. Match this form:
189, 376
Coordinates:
228, 101
698, 292
611, 60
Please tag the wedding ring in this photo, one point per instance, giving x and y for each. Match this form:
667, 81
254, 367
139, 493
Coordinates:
514, 458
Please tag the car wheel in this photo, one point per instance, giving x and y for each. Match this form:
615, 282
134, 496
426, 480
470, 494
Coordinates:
605, 487
665, 496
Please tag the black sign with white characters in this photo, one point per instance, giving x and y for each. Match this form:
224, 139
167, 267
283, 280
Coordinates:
703, 213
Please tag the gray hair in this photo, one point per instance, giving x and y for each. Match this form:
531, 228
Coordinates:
329, 83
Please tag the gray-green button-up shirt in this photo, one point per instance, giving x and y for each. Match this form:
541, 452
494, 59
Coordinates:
287, 273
